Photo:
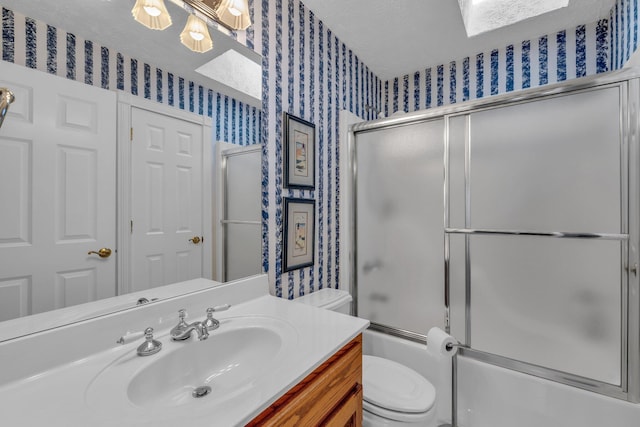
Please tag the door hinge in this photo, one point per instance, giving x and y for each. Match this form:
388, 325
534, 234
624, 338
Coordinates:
131, 134
131, 226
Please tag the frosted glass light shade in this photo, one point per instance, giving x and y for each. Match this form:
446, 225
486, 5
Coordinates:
152, 14
196, 36
234, 14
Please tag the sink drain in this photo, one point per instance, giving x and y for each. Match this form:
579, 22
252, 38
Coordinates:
201, 391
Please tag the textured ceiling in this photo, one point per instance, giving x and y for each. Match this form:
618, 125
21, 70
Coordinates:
110, 23
396, 37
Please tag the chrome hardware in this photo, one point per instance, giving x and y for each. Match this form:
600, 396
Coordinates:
201, 391
6, 98
144, 300
634, 269
150, 346
102, 253
559, 234
195, 240
210, 323
182, 330
130, 337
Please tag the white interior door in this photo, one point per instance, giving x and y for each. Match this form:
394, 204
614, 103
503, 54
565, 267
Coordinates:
57, 193
166, 179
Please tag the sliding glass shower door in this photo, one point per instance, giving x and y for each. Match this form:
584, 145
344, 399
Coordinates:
400, 226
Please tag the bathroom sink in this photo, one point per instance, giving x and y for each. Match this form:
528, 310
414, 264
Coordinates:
230, 365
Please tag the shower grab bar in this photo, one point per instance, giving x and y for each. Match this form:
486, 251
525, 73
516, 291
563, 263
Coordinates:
558, 234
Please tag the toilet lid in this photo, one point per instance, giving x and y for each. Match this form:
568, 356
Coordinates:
390, 385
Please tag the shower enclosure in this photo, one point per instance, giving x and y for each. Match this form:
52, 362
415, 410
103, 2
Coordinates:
512, 223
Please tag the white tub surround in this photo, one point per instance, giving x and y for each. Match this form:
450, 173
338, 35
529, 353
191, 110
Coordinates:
59, 377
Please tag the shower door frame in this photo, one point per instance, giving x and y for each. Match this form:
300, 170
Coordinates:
629, 83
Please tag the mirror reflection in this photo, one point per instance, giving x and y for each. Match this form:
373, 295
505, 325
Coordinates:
84, 73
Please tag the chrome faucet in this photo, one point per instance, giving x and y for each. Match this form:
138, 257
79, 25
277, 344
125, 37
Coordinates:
182, 330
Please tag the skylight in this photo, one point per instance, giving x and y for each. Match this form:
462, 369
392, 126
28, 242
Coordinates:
236, 71
481, 16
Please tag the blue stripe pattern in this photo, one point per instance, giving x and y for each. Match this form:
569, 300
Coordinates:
320, 165
181, 95
30, 29
52, 50
8, 32
452, 82
581, 51
561, 41
465, 79
440, 85
494, 72
71, 56
405, 93
104, 69
543, 61
427, 83
480, 75
134, 77
159, 85
264, 141
622, 32
278, 145
416, 91
120, 71
602, 52
526, 64
88, 62
395, 94
147, 81
192, 97
510, 68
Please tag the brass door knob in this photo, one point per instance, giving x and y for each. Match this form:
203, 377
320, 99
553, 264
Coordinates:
102, 253
195, 240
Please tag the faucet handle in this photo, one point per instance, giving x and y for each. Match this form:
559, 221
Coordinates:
210, 323
182, 313
150, 346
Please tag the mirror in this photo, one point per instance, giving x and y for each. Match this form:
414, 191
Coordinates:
109, 23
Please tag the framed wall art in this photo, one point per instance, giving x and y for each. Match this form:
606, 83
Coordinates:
299, 146
299, 233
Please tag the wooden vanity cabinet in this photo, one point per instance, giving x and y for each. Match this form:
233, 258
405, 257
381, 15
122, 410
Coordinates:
329, 396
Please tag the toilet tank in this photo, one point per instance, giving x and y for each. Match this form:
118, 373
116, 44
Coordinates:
330, 299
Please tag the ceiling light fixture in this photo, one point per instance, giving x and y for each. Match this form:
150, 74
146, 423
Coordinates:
231, 14
196, 36
234, 13
152, 14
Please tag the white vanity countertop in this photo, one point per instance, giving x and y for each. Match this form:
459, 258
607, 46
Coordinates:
60, 397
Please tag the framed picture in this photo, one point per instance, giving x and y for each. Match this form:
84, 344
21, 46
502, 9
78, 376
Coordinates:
299, 153
299, 233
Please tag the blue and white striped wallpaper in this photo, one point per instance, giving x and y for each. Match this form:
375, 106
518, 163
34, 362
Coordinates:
307, 72
623, 30
567, 54
35, 44
310, 73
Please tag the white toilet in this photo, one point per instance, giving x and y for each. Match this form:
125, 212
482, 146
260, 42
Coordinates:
394, 395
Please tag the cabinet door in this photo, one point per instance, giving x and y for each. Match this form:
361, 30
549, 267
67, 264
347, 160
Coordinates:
349, 413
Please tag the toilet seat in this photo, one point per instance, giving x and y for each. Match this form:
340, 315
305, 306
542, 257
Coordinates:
395, 391
405, 417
